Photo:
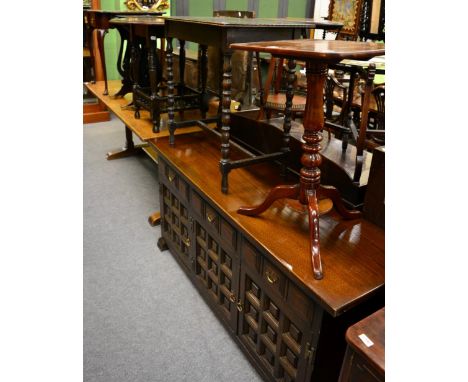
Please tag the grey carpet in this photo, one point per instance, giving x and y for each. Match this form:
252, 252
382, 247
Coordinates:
143, 320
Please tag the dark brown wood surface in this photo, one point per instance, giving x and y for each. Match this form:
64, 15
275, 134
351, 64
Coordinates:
258, 22
137, 20
352, 251
319, 50
374, 328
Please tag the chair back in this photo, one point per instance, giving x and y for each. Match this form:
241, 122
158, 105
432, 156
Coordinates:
237, 14
347, 12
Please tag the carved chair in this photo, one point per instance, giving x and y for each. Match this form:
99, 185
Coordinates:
372, 20
272, 100
376, 123
347, 12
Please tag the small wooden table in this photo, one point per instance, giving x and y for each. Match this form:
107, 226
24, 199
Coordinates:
220, 32
365, 355
97, 19
317, 54
143, 33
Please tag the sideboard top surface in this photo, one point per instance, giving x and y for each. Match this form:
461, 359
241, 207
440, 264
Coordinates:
352, 251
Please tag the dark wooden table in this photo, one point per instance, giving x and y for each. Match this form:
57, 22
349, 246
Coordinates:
317, 54
146, 69
365, 355
97, 19
220, 32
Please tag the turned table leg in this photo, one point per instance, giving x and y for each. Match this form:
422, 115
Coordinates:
170, 89
153, 78
225, 120
101, 35
203, 77
181, 85
123, 66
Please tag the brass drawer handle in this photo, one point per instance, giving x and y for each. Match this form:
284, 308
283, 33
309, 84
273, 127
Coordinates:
239, 306
232, 298
210, 217
171, 177
271, 276
186, 241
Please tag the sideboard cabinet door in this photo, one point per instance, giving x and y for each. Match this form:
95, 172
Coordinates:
176, 224
281, 344
217, 273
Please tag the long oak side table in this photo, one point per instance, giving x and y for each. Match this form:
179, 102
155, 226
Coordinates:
142, 128
317, 54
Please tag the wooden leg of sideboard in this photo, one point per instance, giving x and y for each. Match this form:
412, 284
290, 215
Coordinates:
154, 219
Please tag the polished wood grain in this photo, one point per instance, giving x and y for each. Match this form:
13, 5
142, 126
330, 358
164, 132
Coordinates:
327, 51
258, 22
352, 251
374, 328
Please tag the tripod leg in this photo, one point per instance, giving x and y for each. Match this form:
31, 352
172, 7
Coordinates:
279, 192
313, 210
333, 194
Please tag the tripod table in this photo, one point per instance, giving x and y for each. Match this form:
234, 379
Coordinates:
317, 54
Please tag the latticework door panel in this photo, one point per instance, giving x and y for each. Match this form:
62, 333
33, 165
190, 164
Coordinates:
175, 224
278, 342
214, 269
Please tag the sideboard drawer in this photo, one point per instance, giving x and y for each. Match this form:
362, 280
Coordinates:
211, 217
214, 222
273, 278
276, 283
170, 175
